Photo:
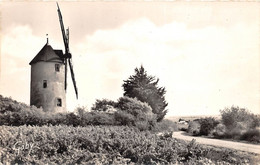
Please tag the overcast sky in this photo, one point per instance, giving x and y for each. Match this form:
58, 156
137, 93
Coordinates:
206, 54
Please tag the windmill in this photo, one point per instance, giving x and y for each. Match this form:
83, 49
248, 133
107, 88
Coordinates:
49, 75
67, 55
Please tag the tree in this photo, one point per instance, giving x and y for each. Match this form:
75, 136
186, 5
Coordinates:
232, 117
145, 88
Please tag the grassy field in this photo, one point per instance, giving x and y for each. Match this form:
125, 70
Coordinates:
30, 136
106, 145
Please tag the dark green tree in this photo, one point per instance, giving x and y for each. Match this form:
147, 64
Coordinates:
145, 88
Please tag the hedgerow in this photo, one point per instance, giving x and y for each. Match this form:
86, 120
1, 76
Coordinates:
104, 145
127, 111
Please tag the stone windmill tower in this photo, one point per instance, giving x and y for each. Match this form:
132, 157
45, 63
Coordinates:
49, 75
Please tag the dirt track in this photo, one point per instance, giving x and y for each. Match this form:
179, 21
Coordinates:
221, 143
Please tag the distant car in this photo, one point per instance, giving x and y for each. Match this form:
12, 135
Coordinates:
182, 121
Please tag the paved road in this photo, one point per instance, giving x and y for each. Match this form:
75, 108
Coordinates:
221, 143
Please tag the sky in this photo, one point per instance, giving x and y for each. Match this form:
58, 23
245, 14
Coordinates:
206, 54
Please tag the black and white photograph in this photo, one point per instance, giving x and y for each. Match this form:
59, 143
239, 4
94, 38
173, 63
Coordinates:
129, 82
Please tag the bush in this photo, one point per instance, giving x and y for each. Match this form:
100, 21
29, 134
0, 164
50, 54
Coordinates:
255, 121
35, 116
133, 112
219, 131
240, 123
252, 135
194, 128
207, 125
165, 126
10, 105
123, 118
202, 126
133, 106
232, 116
97, 118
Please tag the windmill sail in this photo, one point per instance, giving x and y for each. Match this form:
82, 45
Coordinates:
65, 74
67, 55
65, 38
73, 78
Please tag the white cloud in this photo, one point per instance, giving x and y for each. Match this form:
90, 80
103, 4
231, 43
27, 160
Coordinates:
16, 46
203, 70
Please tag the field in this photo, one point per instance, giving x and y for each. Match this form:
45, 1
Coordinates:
131, 135
106, 145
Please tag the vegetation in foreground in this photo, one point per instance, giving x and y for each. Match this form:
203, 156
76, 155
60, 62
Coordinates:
106, 145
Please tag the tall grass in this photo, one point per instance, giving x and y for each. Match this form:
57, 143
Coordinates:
104, 145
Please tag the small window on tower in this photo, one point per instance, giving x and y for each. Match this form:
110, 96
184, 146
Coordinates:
44, 83
57, 67
59, 103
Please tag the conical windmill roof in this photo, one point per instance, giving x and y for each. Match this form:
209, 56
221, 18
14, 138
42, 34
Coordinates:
47, 54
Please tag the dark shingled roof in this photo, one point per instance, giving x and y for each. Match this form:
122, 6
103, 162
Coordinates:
48, 54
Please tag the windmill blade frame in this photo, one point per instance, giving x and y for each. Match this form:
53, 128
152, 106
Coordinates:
73, 77
66, 63
67, 55
65, 38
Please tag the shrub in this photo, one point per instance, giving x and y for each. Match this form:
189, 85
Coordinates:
239, 122
26, 116
219, 131
133, 106
80, 111
236, 132
10, 105
194, 128
165, 126
124, 118
97, 118
255, 121
207, 125
252, 135
231, 116
133, 112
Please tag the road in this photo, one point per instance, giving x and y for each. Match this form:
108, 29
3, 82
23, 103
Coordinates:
221, 143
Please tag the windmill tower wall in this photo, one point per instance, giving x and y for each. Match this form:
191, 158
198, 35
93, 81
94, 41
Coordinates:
47, 86
47, 81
